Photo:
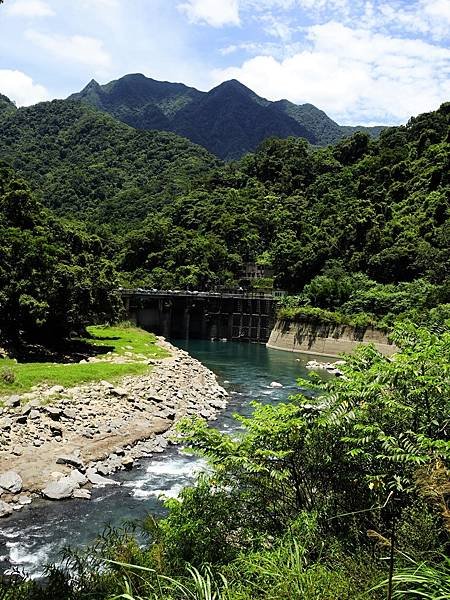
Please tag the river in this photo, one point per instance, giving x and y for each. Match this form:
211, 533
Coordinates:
36, 535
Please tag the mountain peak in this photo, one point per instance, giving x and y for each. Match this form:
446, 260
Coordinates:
229, 120
234, 84
93, 84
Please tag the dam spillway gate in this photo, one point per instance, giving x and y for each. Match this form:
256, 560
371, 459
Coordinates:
232, 316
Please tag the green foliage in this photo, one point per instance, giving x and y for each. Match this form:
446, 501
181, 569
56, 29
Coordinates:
342, 226
53, 279
87, 164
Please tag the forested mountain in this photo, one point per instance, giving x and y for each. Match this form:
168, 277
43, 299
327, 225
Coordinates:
84, 162
374, 207
229, 120
358, 217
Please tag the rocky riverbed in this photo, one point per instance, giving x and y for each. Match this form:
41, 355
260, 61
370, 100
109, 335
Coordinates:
58, 443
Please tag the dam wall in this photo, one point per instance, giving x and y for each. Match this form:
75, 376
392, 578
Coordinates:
326, 339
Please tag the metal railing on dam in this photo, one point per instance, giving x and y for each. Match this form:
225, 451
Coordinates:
228, 314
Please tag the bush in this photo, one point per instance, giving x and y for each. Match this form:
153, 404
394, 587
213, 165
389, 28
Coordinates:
7, 375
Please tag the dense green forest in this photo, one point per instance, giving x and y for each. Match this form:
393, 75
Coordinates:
359, 227
53, 277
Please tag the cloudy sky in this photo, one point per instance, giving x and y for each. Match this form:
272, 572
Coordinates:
362, 61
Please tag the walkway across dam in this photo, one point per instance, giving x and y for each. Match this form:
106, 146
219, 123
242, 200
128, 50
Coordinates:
232, 315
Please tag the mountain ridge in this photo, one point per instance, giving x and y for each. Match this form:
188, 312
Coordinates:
229, 120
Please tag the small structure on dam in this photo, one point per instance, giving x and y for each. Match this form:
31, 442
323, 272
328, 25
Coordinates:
234, 315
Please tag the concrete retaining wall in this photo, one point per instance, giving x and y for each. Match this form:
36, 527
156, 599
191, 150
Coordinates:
325, 339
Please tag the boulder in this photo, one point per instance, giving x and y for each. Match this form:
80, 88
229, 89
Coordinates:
11, 482
96, 479
118, 391
24, 499
5, 509
82, 494
54, 413
72, 460
78, 477
127, 463
61, 489
12, 401
70, 413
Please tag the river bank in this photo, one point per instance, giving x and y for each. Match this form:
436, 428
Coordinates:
61, 442
37, 535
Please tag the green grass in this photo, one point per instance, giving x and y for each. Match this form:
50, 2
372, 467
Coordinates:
123, 338
114, 339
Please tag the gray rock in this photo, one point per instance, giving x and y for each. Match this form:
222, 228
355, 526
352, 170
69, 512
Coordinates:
70, 413
56, 389
107, 385
78, 477
118, 391
11, 482
127, 463
5, 509
6, 423
12, 401
82, 494
53, 412
34, 414
58, 490
24, 499
72, 460
96, 479
56, 430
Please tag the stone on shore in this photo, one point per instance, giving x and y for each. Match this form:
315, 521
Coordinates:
61, 489
82, 494
96, 479
11, 481
72, 460
5, 509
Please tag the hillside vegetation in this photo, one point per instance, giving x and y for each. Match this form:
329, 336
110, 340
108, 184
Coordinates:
86, 164
362, 226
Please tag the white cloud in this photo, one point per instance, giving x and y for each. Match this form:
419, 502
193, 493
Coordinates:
74, 48
21, 88
29, 8
354, 75
430, 17
216, 13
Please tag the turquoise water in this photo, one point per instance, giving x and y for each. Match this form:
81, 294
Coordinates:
37, 535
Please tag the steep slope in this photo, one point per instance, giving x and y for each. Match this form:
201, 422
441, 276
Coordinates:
139, 101
85, 162
229, 120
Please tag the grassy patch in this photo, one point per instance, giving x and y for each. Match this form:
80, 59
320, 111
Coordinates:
112, 339
122, 339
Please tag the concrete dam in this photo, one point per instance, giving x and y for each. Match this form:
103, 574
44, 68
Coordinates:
240, 316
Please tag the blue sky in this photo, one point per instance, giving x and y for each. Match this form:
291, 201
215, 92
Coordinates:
362, 61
